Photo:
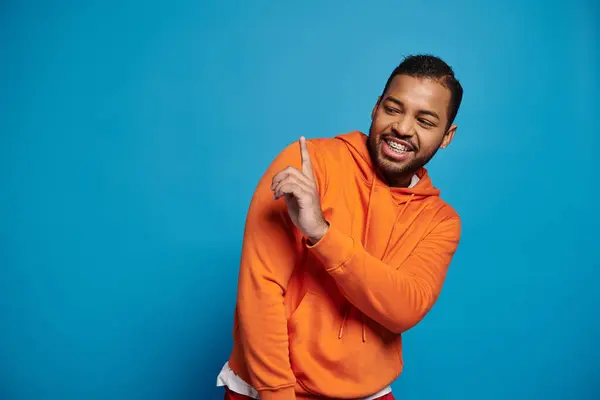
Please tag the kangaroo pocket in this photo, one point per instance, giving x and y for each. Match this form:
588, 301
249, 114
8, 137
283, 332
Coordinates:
327, 365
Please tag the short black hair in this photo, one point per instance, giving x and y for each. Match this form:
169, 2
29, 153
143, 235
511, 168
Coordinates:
432, 67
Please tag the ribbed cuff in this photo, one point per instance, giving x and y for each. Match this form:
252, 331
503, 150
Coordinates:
334, 249
287, 393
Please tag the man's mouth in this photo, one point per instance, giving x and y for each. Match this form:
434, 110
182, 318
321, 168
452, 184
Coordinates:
398, 146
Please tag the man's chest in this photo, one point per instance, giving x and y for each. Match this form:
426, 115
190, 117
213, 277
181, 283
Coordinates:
388, 226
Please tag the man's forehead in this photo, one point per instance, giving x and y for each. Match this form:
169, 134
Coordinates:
424, 92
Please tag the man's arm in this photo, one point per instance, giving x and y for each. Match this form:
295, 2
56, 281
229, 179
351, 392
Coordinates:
397, 297
269, 253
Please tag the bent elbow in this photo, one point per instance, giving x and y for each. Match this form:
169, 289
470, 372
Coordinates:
406, 321
412, 312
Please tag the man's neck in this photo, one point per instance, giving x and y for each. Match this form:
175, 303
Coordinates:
403, 181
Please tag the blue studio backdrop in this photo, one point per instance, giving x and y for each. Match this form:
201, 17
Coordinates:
133, 135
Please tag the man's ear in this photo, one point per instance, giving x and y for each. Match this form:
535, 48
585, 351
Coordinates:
374, 111
448, 136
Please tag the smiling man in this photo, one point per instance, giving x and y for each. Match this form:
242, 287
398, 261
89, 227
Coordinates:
347, 245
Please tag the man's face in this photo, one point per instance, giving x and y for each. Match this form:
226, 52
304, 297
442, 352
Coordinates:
409, 125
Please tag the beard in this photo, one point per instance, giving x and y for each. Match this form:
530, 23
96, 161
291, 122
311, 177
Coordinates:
396, 171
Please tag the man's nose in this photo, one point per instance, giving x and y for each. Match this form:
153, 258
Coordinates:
403, 127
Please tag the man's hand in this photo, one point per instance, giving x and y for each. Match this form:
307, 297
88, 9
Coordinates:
299, 189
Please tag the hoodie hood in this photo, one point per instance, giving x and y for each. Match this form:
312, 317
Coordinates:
356, 143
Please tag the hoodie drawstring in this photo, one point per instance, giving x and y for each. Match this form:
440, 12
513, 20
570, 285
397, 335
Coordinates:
398, 216
365, 242
346, 314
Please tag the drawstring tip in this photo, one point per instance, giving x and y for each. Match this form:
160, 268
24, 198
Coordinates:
364, 330
346, 314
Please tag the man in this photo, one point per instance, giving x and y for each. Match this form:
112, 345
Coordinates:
346, 246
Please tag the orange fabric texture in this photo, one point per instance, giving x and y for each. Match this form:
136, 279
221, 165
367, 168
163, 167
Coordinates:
326, 319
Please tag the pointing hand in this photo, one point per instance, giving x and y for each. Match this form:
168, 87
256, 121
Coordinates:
299, 189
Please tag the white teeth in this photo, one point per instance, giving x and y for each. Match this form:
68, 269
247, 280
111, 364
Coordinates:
397, 146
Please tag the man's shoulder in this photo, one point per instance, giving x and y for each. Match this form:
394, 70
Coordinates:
323, 150
444, 210
319, 144
329, 144
338, 149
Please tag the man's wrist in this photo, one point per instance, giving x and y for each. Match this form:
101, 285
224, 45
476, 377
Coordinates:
314, 239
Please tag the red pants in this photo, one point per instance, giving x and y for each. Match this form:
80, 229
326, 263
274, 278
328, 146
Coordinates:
229, 395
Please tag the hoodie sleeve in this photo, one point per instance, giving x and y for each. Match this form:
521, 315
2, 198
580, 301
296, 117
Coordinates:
270, 250
397, 297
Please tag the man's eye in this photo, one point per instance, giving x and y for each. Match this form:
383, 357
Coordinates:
425, 122
392, 110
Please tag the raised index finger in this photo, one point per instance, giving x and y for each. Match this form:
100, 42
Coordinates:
306, 163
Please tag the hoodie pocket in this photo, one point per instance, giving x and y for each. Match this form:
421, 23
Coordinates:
338, 367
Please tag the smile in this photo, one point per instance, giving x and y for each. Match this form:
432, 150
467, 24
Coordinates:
397, 147
397, 150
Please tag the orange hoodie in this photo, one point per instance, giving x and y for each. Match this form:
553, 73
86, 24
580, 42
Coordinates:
326, 319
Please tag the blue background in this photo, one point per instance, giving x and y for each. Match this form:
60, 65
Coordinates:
132, 136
